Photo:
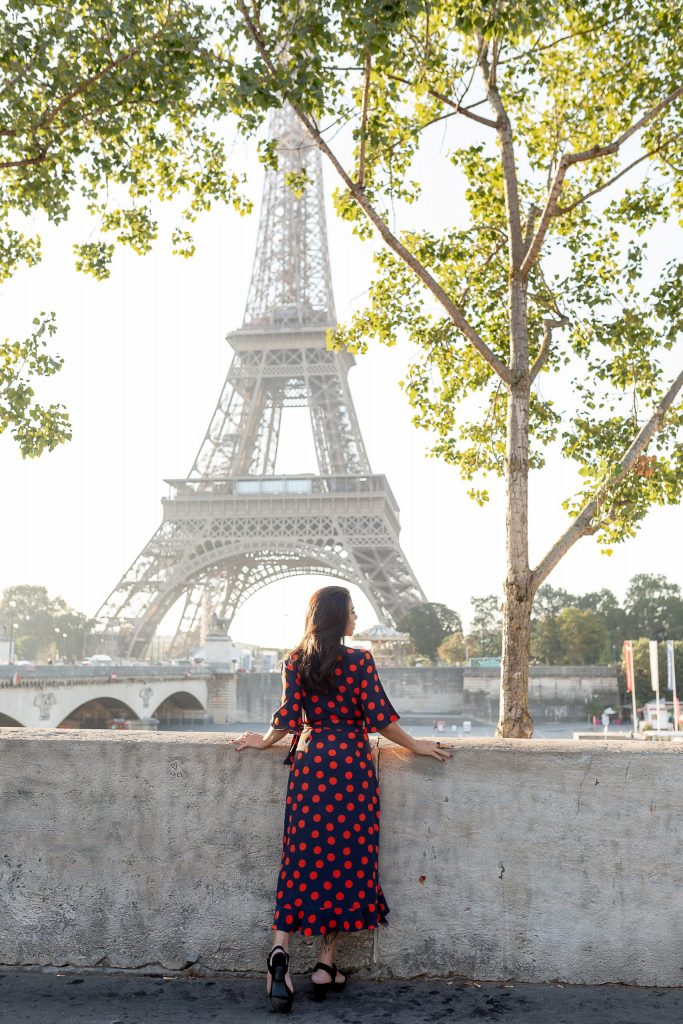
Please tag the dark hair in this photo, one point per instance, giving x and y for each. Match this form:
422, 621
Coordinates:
326, 618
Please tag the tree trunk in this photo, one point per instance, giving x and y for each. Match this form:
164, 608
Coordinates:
514, 720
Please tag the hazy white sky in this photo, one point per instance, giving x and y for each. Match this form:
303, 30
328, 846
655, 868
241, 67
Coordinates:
145, 360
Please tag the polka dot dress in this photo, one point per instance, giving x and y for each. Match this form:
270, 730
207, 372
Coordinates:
328, 877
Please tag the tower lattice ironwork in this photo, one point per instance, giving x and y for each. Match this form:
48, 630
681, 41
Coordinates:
234, 525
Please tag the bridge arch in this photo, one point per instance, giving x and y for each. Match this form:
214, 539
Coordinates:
95, 713
6, 721
172, 709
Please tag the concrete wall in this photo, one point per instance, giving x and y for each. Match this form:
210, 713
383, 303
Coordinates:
450, 690
528, 860
577, 686
412, 690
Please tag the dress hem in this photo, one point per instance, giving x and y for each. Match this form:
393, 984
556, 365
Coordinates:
309, 933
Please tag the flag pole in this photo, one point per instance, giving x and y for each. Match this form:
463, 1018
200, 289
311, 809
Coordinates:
654, 675
630, 683
671, 678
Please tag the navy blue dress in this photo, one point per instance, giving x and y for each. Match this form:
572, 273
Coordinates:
328, 877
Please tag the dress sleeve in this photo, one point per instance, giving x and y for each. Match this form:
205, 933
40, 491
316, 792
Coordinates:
288, 715
377, 708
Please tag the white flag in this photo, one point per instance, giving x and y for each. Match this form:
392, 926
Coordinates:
654, 666
670, 666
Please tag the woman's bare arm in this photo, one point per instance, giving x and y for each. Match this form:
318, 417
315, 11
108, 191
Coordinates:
396, 734
256, 740
428, 748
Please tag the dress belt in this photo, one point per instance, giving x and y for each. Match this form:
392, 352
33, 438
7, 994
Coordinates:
352, 723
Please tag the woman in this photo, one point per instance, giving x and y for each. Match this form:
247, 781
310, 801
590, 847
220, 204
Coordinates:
328, 881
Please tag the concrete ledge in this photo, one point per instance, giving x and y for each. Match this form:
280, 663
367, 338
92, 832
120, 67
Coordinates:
527, 860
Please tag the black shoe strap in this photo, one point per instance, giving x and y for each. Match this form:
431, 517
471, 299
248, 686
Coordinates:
277, 951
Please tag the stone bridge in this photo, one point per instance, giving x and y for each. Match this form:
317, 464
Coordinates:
90, 696
69, 696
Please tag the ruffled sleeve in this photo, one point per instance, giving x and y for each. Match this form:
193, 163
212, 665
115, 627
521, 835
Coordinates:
288, 715
377, 708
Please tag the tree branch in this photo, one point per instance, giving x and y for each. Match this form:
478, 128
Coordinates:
583, 524
598, 151
453, 310
83, 86
457, 107
560, 211
26, 162
598, 27
530, 223
548, 327
566, 161
358, 193
508, 154
489, 259
364, 121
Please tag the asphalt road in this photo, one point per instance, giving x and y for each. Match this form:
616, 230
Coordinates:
32, 997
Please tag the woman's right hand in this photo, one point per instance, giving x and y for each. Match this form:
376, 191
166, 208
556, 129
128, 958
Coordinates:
432, 748
249, 739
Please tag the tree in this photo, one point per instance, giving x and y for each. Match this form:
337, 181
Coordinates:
546, 641
583, 637
604, 603
549, 602
429, 624
549, 274
575, 636
42, 626
654, 608
487, 625
641, 670
562, 636
106, 98
453, 650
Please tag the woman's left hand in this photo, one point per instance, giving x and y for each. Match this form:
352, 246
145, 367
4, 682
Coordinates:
249, 739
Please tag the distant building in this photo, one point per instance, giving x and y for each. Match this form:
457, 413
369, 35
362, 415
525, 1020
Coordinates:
388, 646
220, 651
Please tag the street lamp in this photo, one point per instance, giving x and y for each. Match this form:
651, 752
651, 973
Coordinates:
87, 625
59, 633
12, 606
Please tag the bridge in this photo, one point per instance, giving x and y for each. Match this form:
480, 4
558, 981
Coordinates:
69, 696
90, 696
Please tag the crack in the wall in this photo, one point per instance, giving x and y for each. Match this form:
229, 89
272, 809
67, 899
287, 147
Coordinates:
580, 793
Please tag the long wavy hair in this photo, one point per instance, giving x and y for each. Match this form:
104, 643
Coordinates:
327, 616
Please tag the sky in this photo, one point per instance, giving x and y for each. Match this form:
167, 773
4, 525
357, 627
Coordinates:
145, 359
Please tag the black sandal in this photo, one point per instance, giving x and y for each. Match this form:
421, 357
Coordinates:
321, 988
281, 997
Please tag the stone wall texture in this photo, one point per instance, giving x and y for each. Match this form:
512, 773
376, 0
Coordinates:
525, 860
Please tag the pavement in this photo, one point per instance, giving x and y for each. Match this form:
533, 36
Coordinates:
71, 997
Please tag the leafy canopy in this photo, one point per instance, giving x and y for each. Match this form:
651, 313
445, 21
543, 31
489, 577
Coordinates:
41, 625
109, 102
573, 78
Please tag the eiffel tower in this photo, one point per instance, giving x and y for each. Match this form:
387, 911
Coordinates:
234, 525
